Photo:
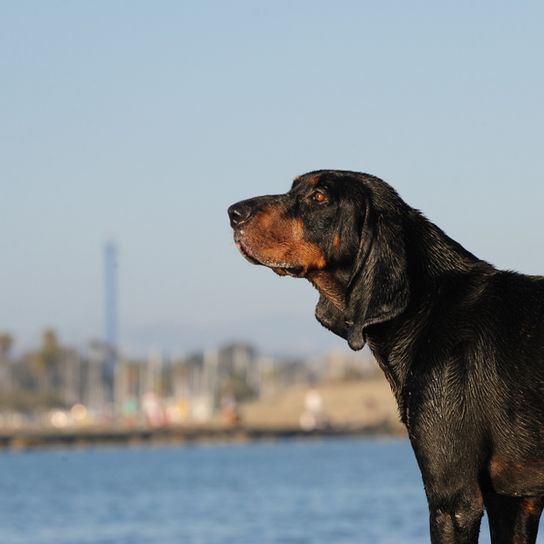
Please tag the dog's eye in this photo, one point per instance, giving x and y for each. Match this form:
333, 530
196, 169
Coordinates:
319, 197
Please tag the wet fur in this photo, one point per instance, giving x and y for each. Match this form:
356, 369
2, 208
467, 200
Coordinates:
460, 342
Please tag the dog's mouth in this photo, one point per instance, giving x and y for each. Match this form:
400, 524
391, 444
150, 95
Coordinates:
244, 251
280, 268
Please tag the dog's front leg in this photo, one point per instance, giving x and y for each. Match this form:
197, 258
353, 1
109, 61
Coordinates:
455, 519
452, 486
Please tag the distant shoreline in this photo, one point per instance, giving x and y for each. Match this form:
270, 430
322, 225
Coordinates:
23, 440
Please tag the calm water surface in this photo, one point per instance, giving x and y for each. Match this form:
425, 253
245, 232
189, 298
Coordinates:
334, 491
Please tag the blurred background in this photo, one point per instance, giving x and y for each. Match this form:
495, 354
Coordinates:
128, 128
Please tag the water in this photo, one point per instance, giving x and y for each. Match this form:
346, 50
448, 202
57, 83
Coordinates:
335, 491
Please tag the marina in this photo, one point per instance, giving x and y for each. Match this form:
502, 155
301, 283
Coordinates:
23, 439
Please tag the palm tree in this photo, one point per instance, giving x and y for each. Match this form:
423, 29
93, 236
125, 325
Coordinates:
44, 363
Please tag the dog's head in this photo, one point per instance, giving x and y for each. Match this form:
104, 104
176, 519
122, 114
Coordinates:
343, 226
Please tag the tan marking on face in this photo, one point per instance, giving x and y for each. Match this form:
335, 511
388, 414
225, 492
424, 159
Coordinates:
298, 230
267, 219
336, 241
277, 241
311, 255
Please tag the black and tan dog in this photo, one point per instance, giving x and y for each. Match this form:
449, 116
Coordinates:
461, 343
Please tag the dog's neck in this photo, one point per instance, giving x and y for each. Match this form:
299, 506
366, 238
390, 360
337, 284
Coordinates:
431, 252
438, 267
436, 262
331, 285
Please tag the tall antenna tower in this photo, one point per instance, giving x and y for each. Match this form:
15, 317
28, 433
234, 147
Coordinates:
110, 305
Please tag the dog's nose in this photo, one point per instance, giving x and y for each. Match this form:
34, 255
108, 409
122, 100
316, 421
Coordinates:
239, 213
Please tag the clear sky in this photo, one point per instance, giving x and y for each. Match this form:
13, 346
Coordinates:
143, 121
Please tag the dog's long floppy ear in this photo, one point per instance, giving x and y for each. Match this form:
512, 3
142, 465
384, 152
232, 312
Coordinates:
378, 289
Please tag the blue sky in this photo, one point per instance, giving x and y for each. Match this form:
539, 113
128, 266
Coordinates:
143, 121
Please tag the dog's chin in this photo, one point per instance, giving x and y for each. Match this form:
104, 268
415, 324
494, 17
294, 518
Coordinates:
281, 269
293, 271
246, 254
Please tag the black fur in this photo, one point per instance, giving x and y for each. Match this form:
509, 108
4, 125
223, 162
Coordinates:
461, 343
